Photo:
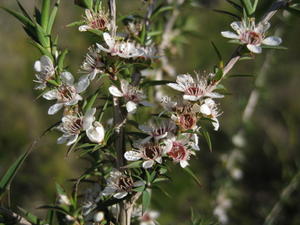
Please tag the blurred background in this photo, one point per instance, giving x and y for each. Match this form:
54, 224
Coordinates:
254, 165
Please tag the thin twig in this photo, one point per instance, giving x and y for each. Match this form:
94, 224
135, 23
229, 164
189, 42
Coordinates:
284, 196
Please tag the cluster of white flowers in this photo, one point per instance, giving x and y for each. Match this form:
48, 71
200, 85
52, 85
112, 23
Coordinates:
163, 143
67, 95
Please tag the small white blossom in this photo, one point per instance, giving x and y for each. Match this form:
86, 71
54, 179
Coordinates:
91, 66
149, 152
181, 148
44, 71
158, 130
66, 94
95, 21
72, 125
209, 109
98, 217
63, 200
120, 48
184, 113
119, 184
194, 88
252, 35
131, 94
149, 218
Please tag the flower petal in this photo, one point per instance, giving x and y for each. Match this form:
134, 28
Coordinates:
131, 107
108, 190
237, 25
184, 163
88, 118
254, 48
115, 91
46, 62
50, 95
192, 98
204, 109
272, 41
148, 164
84, 28
38, 66
83, 83
55, 108
229, 34
109, 40
176, 86
96, 133
67, 78
132, 155
120, 195
216, 124
72, 139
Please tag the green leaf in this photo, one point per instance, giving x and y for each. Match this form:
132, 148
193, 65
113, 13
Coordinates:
227, 13
155, 83
43, 38
11, 172
160, 9
23, 10
45, 14
206, 135
84, 3
235, 5
76, 23
23, 19
146, 200
61, 60
218, 74
191, 173
43, 50
91, 102
248, 6
52, 17
136, 164
60, 190
217, 51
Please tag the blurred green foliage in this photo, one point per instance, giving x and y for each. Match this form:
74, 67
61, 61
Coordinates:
271, 154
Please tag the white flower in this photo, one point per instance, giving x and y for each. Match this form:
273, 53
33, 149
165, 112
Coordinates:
72, 125
120, 48
131, 94
44, 71
158, 130
98, 217
194, 88
184, 113
91, 198
149, 218
209, 109
63, 200
91, 66
149, 152
252, 35
95, 21
66, 94
119, 184
180, 149
96, 132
